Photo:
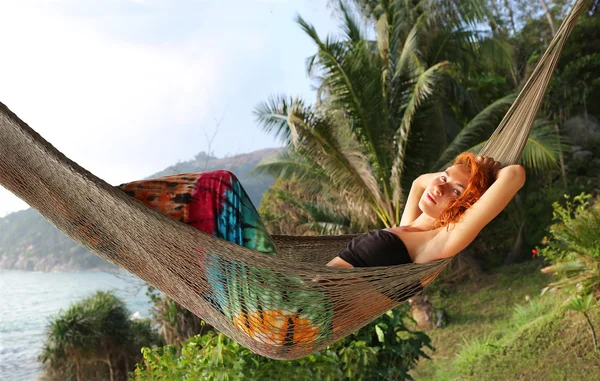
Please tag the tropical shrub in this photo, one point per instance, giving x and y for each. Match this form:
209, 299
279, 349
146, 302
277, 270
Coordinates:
175, 323
584, 305
94, 339
383, 350
573, 248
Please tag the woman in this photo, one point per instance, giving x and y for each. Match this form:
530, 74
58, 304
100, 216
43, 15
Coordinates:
444, 213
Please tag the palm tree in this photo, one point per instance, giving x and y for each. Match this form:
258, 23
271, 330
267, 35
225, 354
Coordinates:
381, 119
176, 323
66, 345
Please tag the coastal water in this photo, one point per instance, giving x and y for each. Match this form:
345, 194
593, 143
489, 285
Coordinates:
29, 299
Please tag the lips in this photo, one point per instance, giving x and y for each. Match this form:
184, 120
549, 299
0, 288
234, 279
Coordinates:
431, 198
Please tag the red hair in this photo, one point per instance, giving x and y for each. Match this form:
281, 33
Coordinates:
480, 179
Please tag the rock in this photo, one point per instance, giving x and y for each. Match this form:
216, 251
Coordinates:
441, 319
422, 312
576, 149
583, 155
582, 129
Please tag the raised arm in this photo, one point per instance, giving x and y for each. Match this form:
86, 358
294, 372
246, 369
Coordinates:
411, 209
449, 242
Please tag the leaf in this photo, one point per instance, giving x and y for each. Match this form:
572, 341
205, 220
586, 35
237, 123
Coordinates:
380, 334
471, 134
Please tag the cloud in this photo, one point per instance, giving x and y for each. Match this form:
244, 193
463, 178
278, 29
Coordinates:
101, 101
126, 89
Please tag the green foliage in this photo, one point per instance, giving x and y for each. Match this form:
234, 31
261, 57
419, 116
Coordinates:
474, 351
383, 350
581, 304
175, 322
389, 109
94, 338
573, 247
584, 305
577, 80
526, 313
481, 349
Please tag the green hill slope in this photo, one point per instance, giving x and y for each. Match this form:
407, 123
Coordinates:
501, 328
29, 242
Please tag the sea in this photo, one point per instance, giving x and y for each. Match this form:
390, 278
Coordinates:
28, 300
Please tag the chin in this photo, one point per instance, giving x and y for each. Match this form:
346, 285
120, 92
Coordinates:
428, 210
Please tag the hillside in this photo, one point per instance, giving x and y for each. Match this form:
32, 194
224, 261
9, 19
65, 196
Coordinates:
29, 242
502, 328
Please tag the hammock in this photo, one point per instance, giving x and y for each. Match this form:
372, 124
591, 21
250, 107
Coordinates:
291, 305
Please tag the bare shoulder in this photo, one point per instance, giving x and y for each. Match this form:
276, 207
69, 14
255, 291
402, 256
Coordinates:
415, 241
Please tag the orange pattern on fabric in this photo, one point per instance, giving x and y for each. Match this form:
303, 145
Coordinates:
277, 327
161, 194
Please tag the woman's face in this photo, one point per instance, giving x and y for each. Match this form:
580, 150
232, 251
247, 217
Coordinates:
443, 190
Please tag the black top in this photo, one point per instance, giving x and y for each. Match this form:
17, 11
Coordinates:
382, 248
376, 248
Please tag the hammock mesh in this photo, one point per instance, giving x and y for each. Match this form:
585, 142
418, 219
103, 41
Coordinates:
291, 304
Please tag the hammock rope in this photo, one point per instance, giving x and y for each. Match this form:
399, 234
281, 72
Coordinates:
287, 303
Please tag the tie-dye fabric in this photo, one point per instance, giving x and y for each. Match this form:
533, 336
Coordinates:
216, 203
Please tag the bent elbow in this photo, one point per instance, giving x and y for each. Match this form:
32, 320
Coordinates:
517, 174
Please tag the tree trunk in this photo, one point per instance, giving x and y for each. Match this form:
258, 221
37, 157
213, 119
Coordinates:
110, 367
515, 254
587, 318
511, 15
78, 369
549, 17
562, 161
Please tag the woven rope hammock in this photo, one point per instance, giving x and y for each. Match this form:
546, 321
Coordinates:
285, 305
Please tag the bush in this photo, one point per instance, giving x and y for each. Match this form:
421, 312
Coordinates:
573, 248
383, 350
94, 339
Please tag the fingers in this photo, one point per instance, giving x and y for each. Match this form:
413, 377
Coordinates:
486, 160
489, 162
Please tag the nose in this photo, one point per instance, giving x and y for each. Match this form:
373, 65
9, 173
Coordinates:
438, 190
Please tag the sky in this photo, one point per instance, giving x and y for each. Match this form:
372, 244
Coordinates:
126, 88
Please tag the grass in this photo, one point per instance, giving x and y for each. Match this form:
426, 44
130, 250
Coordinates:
501, 328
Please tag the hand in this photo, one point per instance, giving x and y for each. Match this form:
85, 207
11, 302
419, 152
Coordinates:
490, 163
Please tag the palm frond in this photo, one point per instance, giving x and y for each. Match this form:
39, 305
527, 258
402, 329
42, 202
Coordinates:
273, 114
317, 217
327, 228
287, 165
349, 171
408, 55
541, 153
483, 122
351, 26
498, 53
461, 98
383, 39
541, 150
352, 77
421, 91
